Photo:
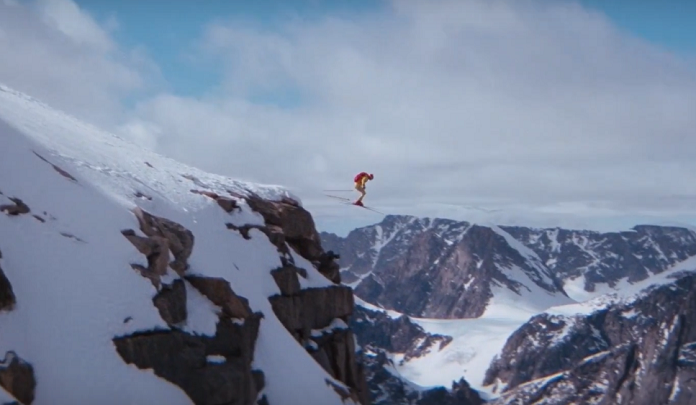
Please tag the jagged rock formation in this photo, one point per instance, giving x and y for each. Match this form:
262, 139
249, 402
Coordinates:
378, 330
450, 269
310, 314
17, 378
180, 357
316, 317
380, 337
639, 351
7, 296
608, 257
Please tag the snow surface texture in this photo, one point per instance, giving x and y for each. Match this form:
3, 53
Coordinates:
73, 295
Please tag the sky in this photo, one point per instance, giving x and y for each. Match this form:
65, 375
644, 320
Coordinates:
529, 112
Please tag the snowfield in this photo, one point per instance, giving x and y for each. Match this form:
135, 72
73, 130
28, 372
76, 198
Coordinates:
71, 274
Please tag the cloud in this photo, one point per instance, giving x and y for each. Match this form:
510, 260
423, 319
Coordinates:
540, 110
58, 53
522, 106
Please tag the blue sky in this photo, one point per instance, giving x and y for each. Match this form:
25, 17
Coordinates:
167, 31
537, 110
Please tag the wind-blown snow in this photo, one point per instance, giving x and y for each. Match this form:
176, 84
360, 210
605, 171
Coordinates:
74, 296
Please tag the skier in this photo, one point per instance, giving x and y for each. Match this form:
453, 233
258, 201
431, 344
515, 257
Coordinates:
360, 180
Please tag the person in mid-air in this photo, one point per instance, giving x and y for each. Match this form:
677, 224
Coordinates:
360, 180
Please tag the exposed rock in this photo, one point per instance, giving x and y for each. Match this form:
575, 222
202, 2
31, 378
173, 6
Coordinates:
17, 378
7, 296
335, 351
71, 236
638, 351
287, 225
298, 230
400, 335
18, 208
343, 392
460, 394
156, 250
38, 218
307, 312
218, 291
163, 236
138, 194
179, 239
227, 204
182, 359
58, 169
171, 302
286, 279
313, 308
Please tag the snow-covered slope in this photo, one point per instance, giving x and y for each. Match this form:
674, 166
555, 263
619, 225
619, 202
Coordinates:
69, 265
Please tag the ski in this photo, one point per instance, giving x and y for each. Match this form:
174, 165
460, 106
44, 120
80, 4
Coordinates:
340, 198
350, 202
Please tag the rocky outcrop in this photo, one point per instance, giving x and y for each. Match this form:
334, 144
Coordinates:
394, 335
298, 230
17, 378
171, 303
449, 269
211, 370
18, 207
637, 352
7, 296
191, 362
220, 293
316, 317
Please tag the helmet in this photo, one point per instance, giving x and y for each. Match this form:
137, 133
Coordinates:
372, 176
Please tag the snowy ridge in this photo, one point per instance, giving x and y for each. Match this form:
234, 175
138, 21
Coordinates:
114, 165
69, 264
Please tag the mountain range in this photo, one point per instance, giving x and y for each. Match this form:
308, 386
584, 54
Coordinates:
485, 302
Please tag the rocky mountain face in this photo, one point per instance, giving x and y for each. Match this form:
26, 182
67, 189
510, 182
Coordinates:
379, 336
606, 258
441, 268
439, 258
312, 315
638, 351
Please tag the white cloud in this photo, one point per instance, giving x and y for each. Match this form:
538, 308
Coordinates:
520, 105
542, 109
54, 51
